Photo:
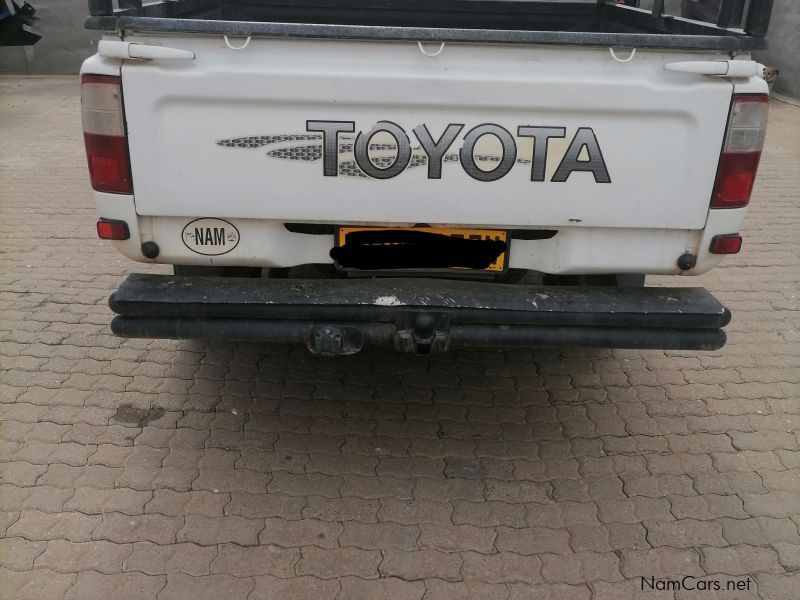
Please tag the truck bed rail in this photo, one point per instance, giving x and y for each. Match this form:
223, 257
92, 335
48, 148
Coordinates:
605, 23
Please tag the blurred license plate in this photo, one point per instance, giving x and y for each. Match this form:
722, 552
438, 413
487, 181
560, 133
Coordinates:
498, 265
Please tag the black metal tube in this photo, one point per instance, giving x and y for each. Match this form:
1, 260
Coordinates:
635, 338
282, 332
101, 7
658, 8
163, 296
758, 17
388, 314
130, 4
383, 334
730, 13
688, 35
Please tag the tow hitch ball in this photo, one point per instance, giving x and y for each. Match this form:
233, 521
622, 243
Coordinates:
422, 332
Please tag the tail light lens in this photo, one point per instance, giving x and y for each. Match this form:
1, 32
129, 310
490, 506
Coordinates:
104, 134
744, 141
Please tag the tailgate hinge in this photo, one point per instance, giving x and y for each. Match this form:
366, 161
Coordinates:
718, 68
128, 50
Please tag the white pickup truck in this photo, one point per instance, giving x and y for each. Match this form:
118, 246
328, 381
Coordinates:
422, 175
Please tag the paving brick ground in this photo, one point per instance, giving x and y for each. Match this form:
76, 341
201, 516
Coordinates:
143, 469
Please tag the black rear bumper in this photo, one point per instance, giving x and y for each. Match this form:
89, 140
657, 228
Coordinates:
415, 315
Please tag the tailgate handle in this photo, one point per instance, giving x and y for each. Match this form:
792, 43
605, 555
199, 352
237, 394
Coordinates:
128, 50
720, 68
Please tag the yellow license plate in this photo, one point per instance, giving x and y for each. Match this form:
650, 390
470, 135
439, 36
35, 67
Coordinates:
498, 265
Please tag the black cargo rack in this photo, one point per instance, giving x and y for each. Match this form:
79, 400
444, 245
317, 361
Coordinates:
741, 25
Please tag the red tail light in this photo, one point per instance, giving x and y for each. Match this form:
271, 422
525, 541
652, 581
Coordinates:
726, 244
104, 134
744, 140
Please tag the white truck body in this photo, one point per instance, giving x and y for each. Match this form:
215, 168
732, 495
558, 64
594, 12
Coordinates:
613, 152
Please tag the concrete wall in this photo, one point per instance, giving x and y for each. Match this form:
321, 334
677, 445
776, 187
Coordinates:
65, 43
784, 47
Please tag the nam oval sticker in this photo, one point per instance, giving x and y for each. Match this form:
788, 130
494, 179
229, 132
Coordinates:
210, 237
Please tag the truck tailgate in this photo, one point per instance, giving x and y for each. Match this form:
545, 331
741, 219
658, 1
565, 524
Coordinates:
241, 134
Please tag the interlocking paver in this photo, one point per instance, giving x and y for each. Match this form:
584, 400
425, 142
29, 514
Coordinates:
760, 531
414, 511
70, 453
533, 541
171, 503
193, 469
124, 529
452, 488
341, 509
661, 562
635, 510
44, 498
438, 589
302, 484
75, 557
144, 478
299, 588
774, 504
728, 483
121, 586
111, 455
740, 560
607, 538
552, 591
659, 486
253, 506
502, 567
19, 554
306, 532
488, 514
156, 559
120, 500
386, 588
452, 538
339, 562
379, 535
778, 587
36, 584
783, 481
241, 561
747, 460
707, 507
7, 519
788, 555
422, 564
518, 491
581, 567
588, 489
207, 531
207, 587
36, 525
686, 533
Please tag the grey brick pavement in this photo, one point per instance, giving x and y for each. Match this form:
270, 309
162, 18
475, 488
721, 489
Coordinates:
143, 469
